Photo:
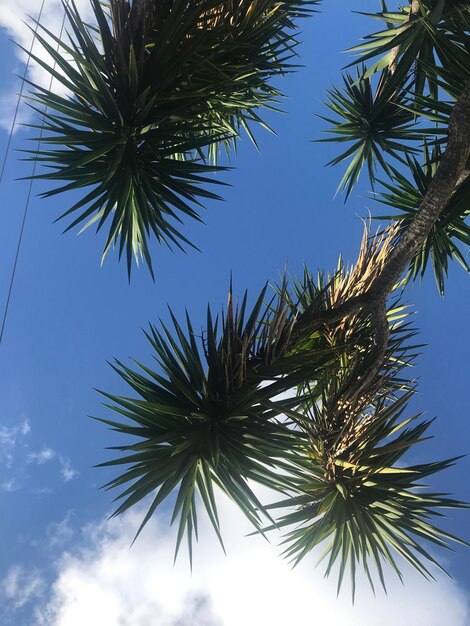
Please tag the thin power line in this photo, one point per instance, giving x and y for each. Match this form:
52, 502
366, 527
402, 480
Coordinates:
20, 95
28, 197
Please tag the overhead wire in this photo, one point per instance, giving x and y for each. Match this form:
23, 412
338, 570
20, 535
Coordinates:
20, 95
30, 187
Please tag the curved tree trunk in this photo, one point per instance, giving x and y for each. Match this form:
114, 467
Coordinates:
453, 169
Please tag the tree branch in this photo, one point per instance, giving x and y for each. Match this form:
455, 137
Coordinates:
414, 13
367, 368
452, 168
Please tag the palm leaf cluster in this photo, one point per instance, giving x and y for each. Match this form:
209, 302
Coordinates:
154, 87
433, 37
414, 53
374, 123
430, 50
356, 497
267, 397
409, 74
204, 418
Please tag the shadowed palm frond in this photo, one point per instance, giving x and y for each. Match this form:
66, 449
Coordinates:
374, 123
153, 89
207, 416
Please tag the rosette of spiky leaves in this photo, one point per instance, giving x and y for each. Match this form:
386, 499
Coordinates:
414, 42
373, 121
355, 493
153, 88
203, 418
405, 192
423, 48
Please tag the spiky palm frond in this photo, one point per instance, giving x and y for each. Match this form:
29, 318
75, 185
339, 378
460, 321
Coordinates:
374, 122
405, 193
204, 418
154, 87
414, 44
418, 54
210, 414
355, 493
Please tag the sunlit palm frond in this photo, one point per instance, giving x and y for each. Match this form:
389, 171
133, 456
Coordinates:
356, 497
417, 42
354, 333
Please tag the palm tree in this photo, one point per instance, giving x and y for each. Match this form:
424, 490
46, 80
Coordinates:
335, 348
307, 392
154, 89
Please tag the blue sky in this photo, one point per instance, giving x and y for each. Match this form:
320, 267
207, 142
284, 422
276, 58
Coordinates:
68, 317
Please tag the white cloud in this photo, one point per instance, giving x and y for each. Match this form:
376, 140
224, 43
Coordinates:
41, 457
14, 19
20, 586
10, 485
43, 491
59, 534
106, 582
9, 437
67, 471
16, 455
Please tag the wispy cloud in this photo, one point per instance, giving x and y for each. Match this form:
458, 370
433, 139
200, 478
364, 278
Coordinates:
41, 457
104, 582
9, 438
21, 586
67, 472
10, 485
59, 534
17, 457
43, 491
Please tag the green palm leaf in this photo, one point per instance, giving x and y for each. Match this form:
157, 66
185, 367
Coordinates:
204, 419
374, 123
265, 397
153, 89
416, 42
